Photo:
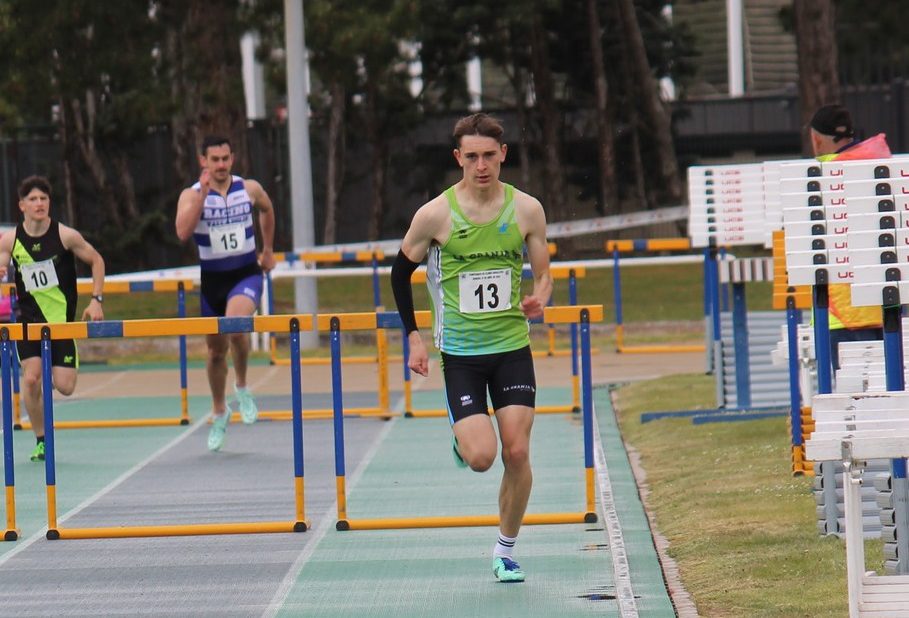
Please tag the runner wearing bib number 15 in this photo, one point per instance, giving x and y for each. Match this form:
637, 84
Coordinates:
43, 252
474, 235
217, 212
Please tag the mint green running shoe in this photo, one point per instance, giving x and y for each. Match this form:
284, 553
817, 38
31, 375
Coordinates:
507, 570
38, 453
456, 454
249, 412
217, 431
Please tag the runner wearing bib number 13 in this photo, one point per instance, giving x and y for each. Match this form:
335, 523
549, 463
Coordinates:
217, 212
474, 235
43, 252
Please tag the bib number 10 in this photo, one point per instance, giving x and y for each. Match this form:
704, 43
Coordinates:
39, 276
485, 292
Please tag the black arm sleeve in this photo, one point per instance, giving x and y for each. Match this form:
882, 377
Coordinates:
401, 272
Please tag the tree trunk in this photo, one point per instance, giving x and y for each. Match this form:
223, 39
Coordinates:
377, 173
544, 89
655, 113
605, 143
68, 186
207, 75
336, 154
127, 186
815, 37
84, 125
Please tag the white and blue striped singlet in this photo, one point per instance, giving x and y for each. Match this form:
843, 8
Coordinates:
225, 234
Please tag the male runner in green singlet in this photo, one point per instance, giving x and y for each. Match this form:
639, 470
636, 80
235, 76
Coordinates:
43, 253
475, 234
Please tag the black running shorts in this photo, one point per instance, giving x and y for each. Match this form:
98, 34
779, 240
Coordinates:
63, 352
508, 377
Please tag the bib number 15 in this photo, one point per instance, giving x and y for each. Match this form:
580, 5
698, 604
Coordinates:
227, 239
485, 292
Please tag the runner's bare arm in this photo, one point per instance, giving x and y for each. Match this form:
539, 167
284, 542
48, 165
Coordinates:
189, 207
532, 222
430, 223
6, 251
262, 203
82, 249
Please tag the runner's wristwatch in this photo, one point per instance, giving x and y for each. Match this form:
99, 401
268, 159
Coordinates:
98, 298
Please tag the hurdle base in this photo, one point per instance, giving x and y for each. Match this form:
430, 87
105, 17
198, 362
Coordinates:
659, 349
18, 426
118, 532
590, 518
466, 521
11, 534
116, 423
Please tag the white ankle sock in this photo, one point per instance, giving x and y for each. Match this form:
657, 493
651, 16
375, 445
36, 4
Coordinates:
504, 546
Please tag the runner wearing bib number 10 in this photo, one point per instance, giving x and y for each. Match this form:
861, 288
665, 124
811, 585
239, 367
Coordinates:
217, 212
43, 252
474, 235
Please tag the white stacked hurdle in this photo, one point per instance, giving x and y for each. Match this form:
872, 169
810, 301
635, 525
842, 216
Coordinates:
858, 428
727, 205
814, 226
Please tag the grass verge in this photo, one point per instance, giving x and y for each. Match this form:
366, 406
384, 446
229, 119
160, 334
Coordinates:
740, 526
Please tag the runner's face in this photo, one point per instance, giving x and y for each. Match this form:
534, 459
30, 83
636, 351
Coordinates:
218, 161
481, 159
36, 205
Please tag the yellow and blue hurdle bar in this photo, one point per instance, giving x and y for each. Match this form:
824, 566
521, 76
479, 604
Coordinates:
293, 323
371, 257
144, 328
180, 286
582, 314
616, 247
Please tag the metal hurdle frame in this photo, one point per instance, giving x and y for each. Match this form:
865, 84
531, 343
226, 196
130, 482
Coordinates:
180, 286
163, 328
616, 247
337, 257
14, 331
583, 314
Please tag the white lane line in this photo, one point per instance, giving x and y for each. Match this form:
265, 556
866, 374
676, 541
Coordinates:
265, 378
621, 571
22, 545
327, 520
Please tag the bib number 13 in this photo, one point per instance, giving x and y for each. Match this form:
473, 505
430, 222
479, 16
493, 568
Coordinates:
485, 292
487, 296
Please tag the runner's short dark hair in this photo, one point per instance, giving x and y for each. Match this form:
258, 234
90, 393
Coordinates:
213, 140
33, 182
477, 124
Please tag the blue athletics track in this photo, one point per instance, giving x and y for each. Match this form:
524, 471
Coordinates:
397, 468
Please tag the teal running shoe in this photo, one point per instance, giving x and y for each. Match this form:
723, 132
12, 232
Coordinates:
249, 412
217, 431
459, 461
507, 570
38, 453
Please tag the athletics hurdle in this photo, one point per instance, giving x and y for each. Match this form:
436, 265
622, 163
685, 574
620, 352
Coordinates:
616, 247
11, 533
329, 257
163, 328
557, 315
180, 286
